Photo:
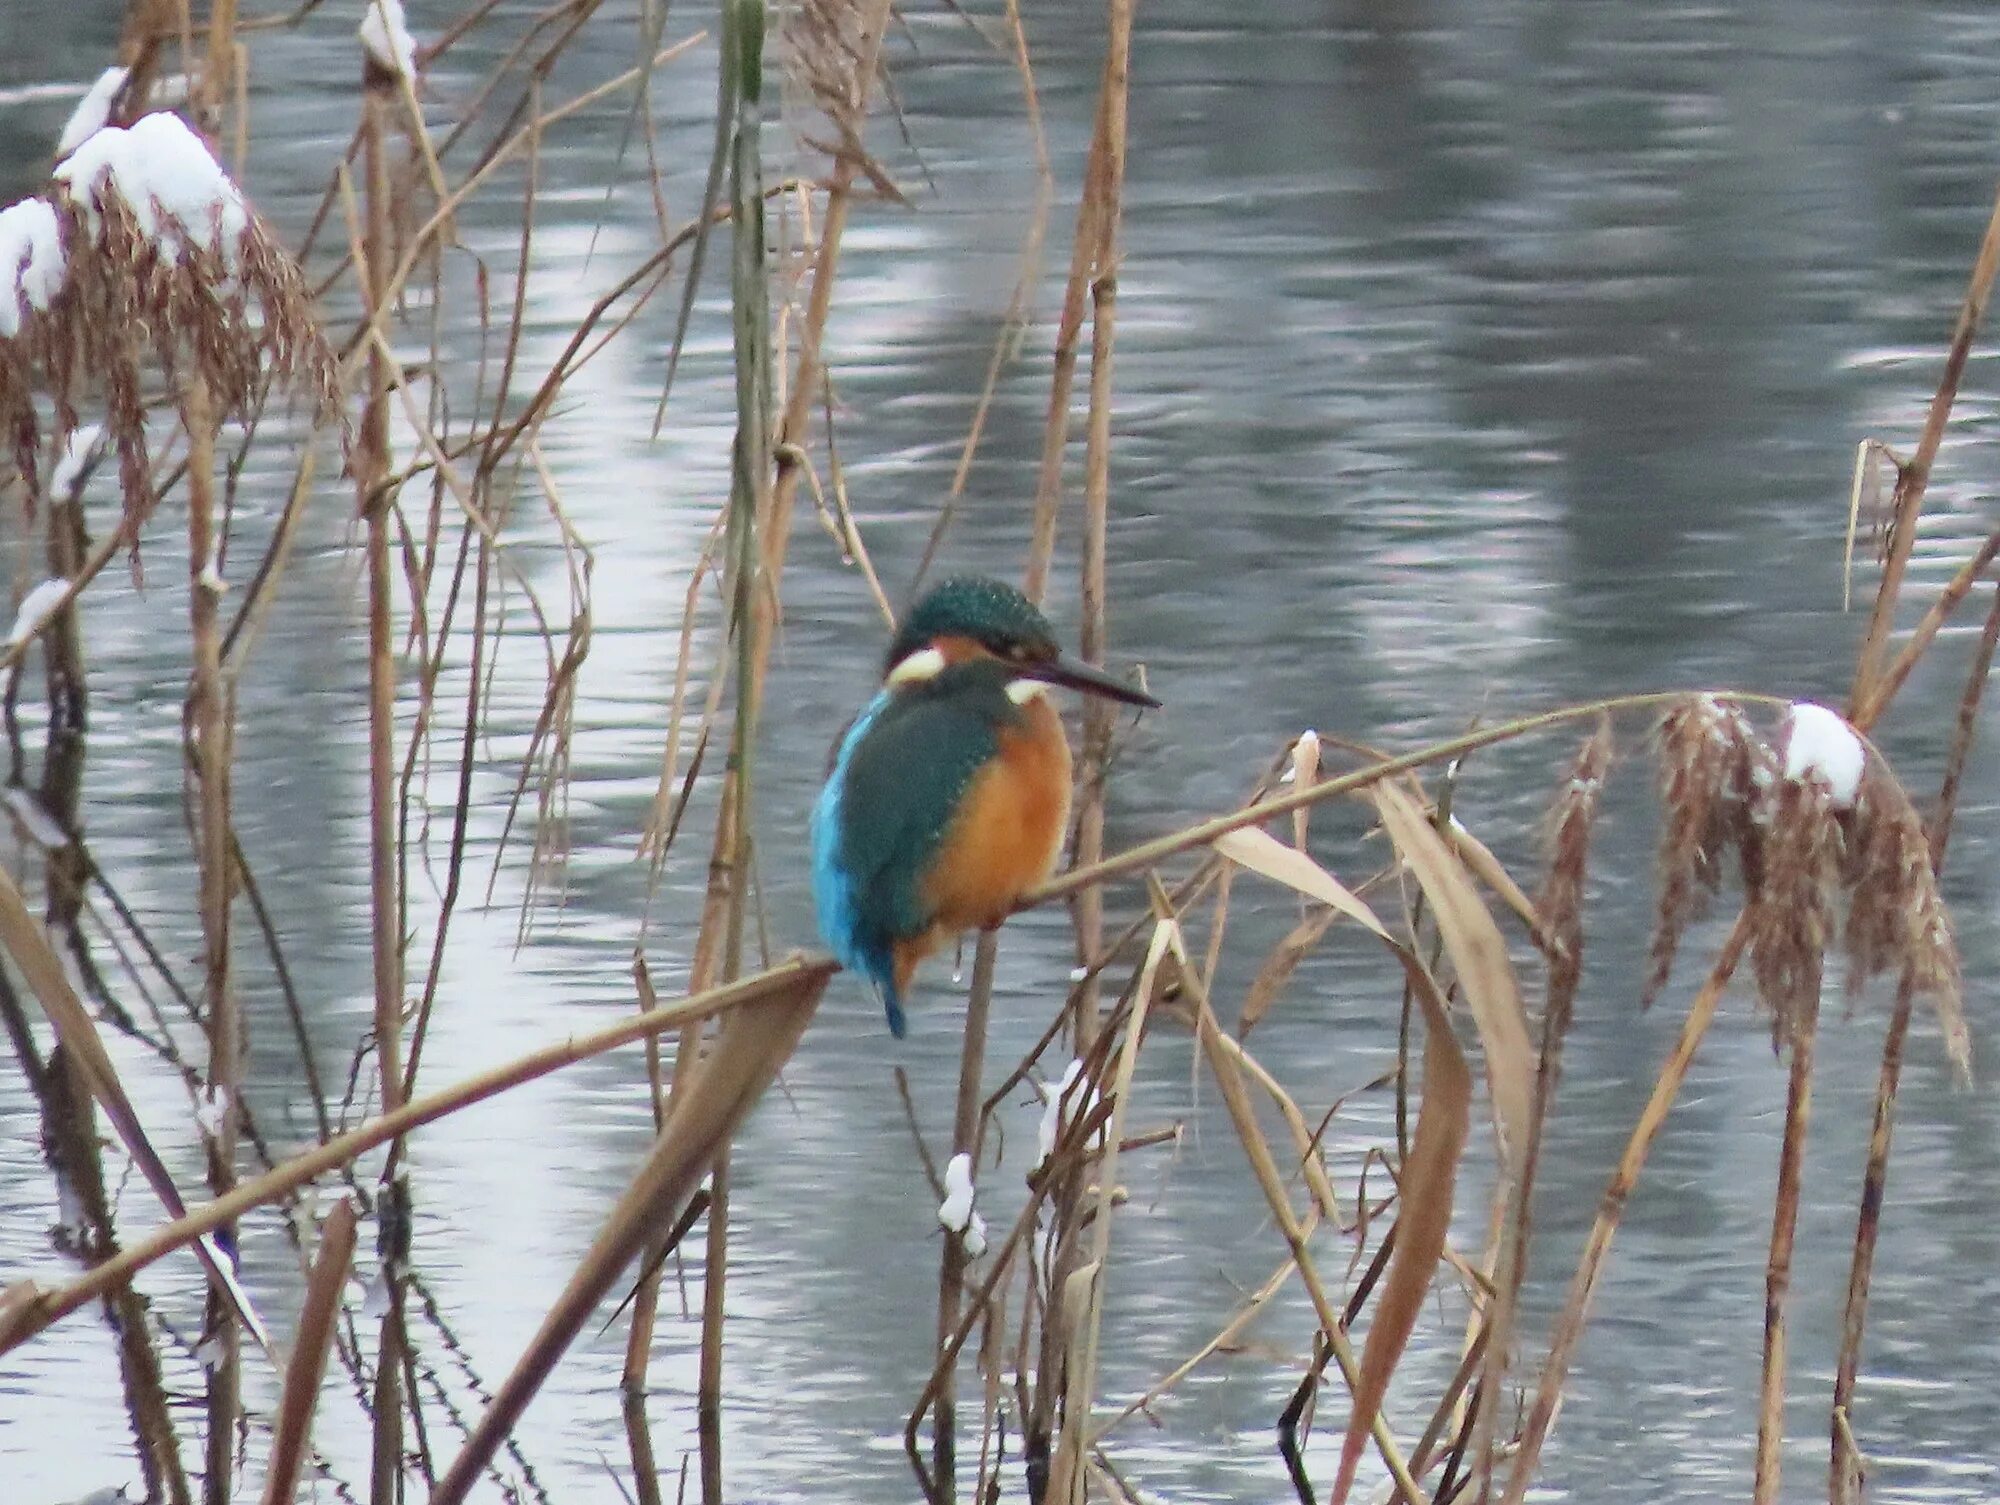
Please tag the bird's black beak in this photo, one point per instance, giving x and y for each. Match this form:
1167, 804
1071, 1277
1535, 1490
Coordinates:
1066, 671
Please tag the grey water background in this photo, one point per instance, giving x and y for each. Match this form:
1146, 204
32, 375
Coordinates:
1473, 357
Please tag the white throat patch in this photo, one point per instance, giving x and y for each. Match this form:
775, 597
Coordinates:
1021, 691
926, 663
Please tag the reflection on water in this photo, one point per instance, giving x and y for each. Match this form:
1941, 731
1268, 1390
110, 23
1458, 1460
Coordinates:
1472, 357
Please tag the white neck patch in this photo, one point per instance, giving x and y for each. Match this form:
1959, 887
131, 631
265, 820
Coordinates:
1021, 691
926, 663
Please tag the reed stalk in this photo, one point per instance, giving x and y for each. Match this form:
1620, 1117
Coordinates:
292, 1432
1778, 1271
375, 502
1590, 1266
965, 1140
209, 720
1098, 715
1844, 1470
1865, 700
218, 74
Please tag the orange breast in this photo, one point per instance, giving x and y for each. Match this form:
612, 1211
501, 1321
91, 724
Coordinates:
1009, 827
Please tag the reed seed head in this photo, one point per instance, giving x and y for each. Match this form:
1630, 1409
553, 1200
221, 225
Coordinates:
1559, 906
1714, 769
1896, 916
1792, 906
146, 249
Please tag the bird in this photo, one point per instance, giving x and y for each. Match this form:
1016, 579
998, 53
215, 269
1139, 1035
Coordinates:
947, 797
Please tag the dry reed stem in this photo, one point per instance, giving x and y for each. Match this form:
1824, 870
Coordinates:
1778, 1272
1560, 908
1243, 1116
1865, 700
384, 888
1066, 1485
292, 1429
1069, 326
1955, 590
31, 1308
1151, 853
209, 722
218, 70
952, 1260
1099, 716
755, 1041
1844, 1469
1583, 1286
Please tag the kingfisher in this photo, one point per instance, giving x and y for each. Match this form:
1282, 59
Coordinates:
948, 796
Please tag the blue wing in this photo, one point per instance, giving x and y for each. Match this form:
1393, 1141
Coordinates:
897, 777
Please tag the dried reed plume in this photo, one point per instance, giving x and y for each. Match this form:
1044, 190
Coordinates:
1792, 908
1559, 906
1712, 767
1801, 850
142, 267
1896, 916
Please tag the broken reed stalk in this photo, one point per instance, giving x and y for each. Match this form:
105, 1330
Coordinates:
1873, 688
756, 1040
969, 1119
1559, 912
376, 502
26, 1309
291, 1433
1845, 1481
1915, 477
1583, 1285
209, 722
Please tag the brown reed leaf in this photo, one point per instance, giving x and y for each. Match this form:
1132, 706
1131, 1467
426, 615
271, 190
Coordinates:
1425, 1197
1261, 852
23, 939
1712, 767
1488, 869
1279, 966
1478, 956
